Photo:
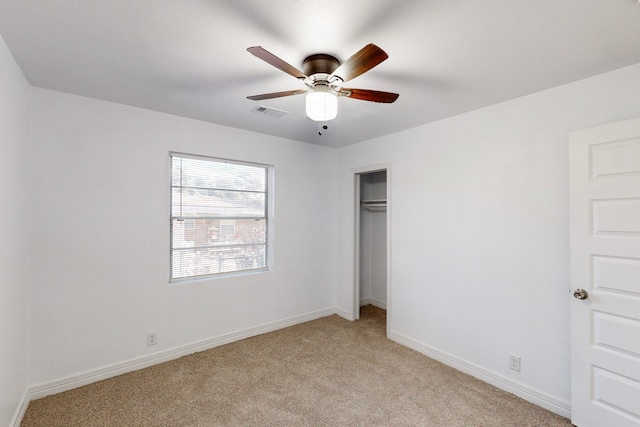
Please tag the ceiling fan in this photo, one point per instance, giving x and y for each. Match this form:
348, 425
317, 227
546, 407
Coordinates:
324, 75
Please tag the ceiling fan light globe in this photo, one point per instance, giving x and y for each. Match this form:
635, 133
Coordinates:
321, 106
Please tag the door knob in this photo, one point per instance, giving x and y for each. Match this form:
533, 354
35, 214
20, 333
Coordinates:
580, 294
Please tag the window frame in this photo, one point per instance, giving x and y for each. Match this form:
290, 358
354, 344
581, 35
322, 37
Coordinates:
269, 239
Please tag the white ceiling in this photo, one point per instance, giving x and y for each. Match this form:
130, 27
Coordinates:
189, 58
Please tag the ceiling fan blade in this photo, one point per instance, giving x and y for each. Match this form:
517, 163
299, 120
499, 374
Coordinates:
276, 62
361, 62
276, 94
370, 95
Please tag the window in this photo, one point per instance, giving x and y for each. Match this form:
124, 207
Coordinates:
227, 227
219, 216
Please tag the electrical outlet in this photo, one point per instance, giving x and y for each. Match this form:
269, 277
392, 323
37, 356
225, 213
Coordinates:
514, 362
152, 338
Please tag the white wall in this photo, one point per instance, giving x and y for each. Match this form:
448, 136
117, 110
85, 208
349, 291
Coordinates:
479, 206
14, 234
101, 235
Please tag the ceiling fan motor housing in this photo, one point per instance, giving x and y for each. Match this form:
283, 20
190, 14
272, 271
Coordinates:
320, 63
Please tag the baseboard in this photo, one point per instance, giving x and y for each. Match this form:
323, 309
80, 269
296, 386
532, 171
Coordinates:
343, 313
537, 397
374, 302
90, 376
20, 410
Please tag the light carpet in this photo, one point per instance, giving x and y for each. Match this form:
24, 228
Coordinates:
327, 372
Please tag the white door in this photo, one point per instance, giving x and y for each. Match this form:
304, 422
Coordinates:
605, 263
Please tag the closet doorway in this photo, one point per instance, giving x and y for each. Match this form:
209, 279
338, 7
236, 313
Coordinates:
372, 235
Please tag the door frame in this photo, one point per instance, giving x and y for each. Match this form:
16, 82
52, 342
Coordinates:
356, 233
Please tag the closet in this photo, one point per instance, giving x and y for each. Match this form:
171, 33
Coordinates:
373, 239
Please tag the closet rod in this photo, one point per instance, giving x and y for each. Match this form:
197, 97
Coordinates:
375, 208
374, 202
374, 205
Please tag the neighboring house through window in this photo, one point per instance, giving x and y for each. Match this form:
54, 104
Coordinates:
220, 220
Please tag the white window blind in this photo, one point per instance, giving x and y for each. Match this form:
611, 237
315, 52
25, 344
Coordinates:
219, 216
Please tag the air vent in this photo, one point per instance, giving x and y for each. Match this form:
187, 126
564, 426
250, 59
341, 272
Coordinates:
267, 111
